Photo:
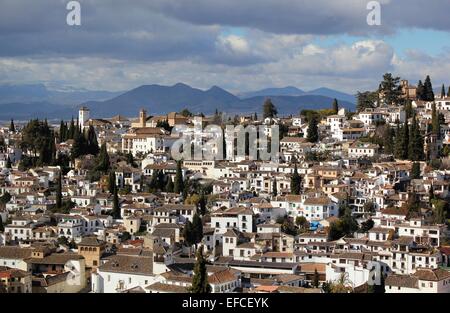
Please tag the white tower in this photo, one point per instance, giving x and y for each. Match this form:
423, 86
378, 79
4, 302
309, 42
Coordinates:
83, 117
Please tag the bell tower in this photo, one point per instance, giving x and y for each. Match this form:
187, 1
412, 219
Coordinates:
143, 118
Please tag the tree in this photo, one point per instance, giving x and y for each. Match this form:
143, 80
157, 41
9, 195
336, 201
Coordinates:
415, 171
103, 164
111, 181
130, 160
335, 106
443, 91
365, 100
316, 279
428, 94
59, 191
440, 210
202, 205
420, 91
5, 198
269, 109
79, 146
295, 181
116, 207
169, 186
2, 228
367, 225
92, 143
274, 187
8, 162
179, 184
302, 223
435, 121
415, 144
313, 132
186, 113
390, 89
197, 227
409, 111
448, 92
12, 128
188, 234
200, 279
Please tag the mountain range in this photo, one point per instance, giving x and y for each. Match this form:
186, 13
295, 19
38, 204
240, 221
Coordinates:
36, 101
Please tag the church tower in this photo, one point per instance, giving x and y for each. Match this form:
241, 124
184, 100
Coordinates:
143, 118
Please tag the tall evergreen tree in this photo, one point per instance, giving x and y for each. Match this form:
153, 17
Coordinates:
111, 181
415, 170
390, 89
428, 90
179, 184
313, 131
335, 106
12, 127
200, 279
295, 181
420, 92
443, 91
188, 234
59, 191
388, 139
92, 143
416, 144
435, 121
116, 207
269, 109
169, 185
2, 227
103, 163
197, 227
448, 92
274, 187
8, 162
72, 129
405, 141
316, 279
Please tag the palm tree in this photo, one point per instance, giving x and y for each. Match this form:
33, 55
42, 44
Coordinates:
342, 285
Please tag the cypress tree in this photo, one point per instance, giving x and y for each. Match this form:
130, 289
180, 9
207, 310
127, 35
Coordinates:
8, 163
269, 109
12, 127
103, 160
197, 227
316, 279
335, 106
61, 131
415, 148
59, 191
92, 143
405, 141
179, 184
420, 91
2, 228
111, 181
188, 234
274, 188
428, 90
313, 132
295, 182
443, 91
448, 92
200, 279
71, 132
435, 123
415, 171
202, 204
116, 206
169, 185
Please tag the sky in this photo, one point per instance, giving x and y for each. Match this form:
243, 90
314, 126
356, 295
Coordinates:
239, 45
